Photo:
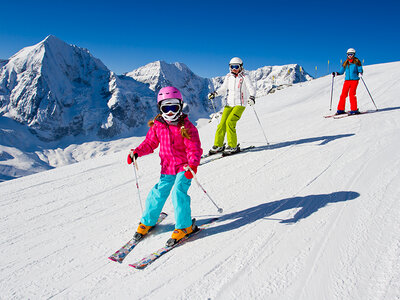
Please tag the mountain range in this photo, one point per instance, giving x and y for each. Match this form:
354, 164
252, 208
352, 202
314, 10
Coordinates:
53, 94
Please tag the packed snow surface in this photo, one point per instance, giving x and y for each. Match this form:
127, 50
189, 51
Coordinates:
315, 215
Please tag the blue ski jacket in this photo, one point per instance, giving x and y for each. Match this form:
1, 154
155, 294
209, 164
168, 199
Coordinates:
352, 71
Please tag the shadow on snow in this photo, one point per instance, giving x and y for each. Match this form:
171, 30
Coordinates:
308, 204
322, 139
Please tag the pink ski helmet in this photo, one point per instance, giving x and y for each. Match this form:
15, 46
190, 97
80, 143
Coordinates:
169, 92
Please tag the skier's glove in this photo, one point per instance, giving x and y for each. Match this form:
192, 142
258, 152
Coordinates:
251, 101
335, 74
189, 174
131, 155
211, 95
360, 75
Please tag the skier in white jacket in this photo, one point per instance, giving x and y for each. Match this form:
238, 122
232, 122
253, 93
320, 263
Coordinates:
240, 91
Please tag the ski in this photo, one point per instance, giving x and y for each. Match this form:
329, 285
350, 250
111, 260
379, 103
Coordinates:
241, 150
336, 115
211, 154
331, 116
144, 262
120, 254
349, 115
221, 155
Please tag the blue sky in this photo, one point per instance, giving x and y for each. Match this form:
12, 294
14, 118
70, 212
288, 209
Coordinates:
206, 34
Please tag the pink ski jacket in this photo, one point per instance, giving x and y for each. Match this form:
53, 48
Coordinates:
175, 150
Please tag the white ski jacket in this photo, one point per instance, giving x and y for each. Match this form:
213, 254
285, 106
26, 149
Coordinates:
238, 88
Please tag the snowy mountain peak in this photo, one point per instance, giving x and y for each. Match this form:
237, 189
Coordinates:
43, 85
269, 77
159, 74
52, 40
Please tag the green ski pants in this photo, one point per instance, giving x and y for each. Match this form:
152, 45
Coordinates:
229, 118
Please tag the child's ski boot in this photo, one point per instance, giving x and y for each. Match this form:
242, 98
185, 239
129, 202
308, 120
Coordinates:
141, 231
179, 234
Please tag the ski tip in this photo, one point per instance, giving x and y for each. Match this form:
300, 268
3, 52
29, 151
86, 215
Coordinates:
114, 259
137, 267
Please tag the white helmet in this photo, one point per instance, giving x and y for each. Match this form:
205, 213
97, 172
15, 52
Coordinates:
236, 64
236, 61
351, 50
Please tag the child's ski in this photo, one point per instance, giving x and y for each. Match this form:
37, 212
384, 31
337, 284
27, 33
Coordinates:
144, 262
120, 254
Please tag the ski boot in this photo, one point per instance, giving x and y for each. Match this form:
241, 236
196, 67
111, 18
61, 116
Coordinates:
215, 149
141, 231
179, 234
229, 150
340, 112
354, 112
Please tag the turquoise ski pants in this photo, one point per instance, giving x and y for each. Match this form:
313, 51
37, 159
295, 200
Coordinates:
180, 199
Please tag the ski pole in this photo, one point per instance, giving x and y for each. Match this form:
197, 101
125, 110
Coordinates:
215, 111
333, 78
212, 103
260, 125
220, 210
368, 92
254, 109
135, 167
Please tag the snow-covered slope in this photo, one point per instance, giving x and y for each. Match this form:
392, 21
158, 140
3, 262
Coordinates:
313, 216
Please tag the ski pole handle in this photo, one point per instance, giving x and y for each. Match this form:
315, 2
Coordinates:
135, 163
220, 210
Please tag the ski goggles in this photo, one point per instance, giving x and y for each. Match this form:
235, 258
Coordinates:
170, 107
350, 54
236, 67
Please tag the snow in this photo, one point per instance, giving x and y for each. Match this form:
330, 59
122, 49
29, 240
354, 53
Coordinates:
313, 216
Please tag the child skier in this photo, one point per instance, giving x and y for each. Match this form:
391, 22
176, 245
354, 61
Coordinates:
352, 67
240, 92
179, 147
